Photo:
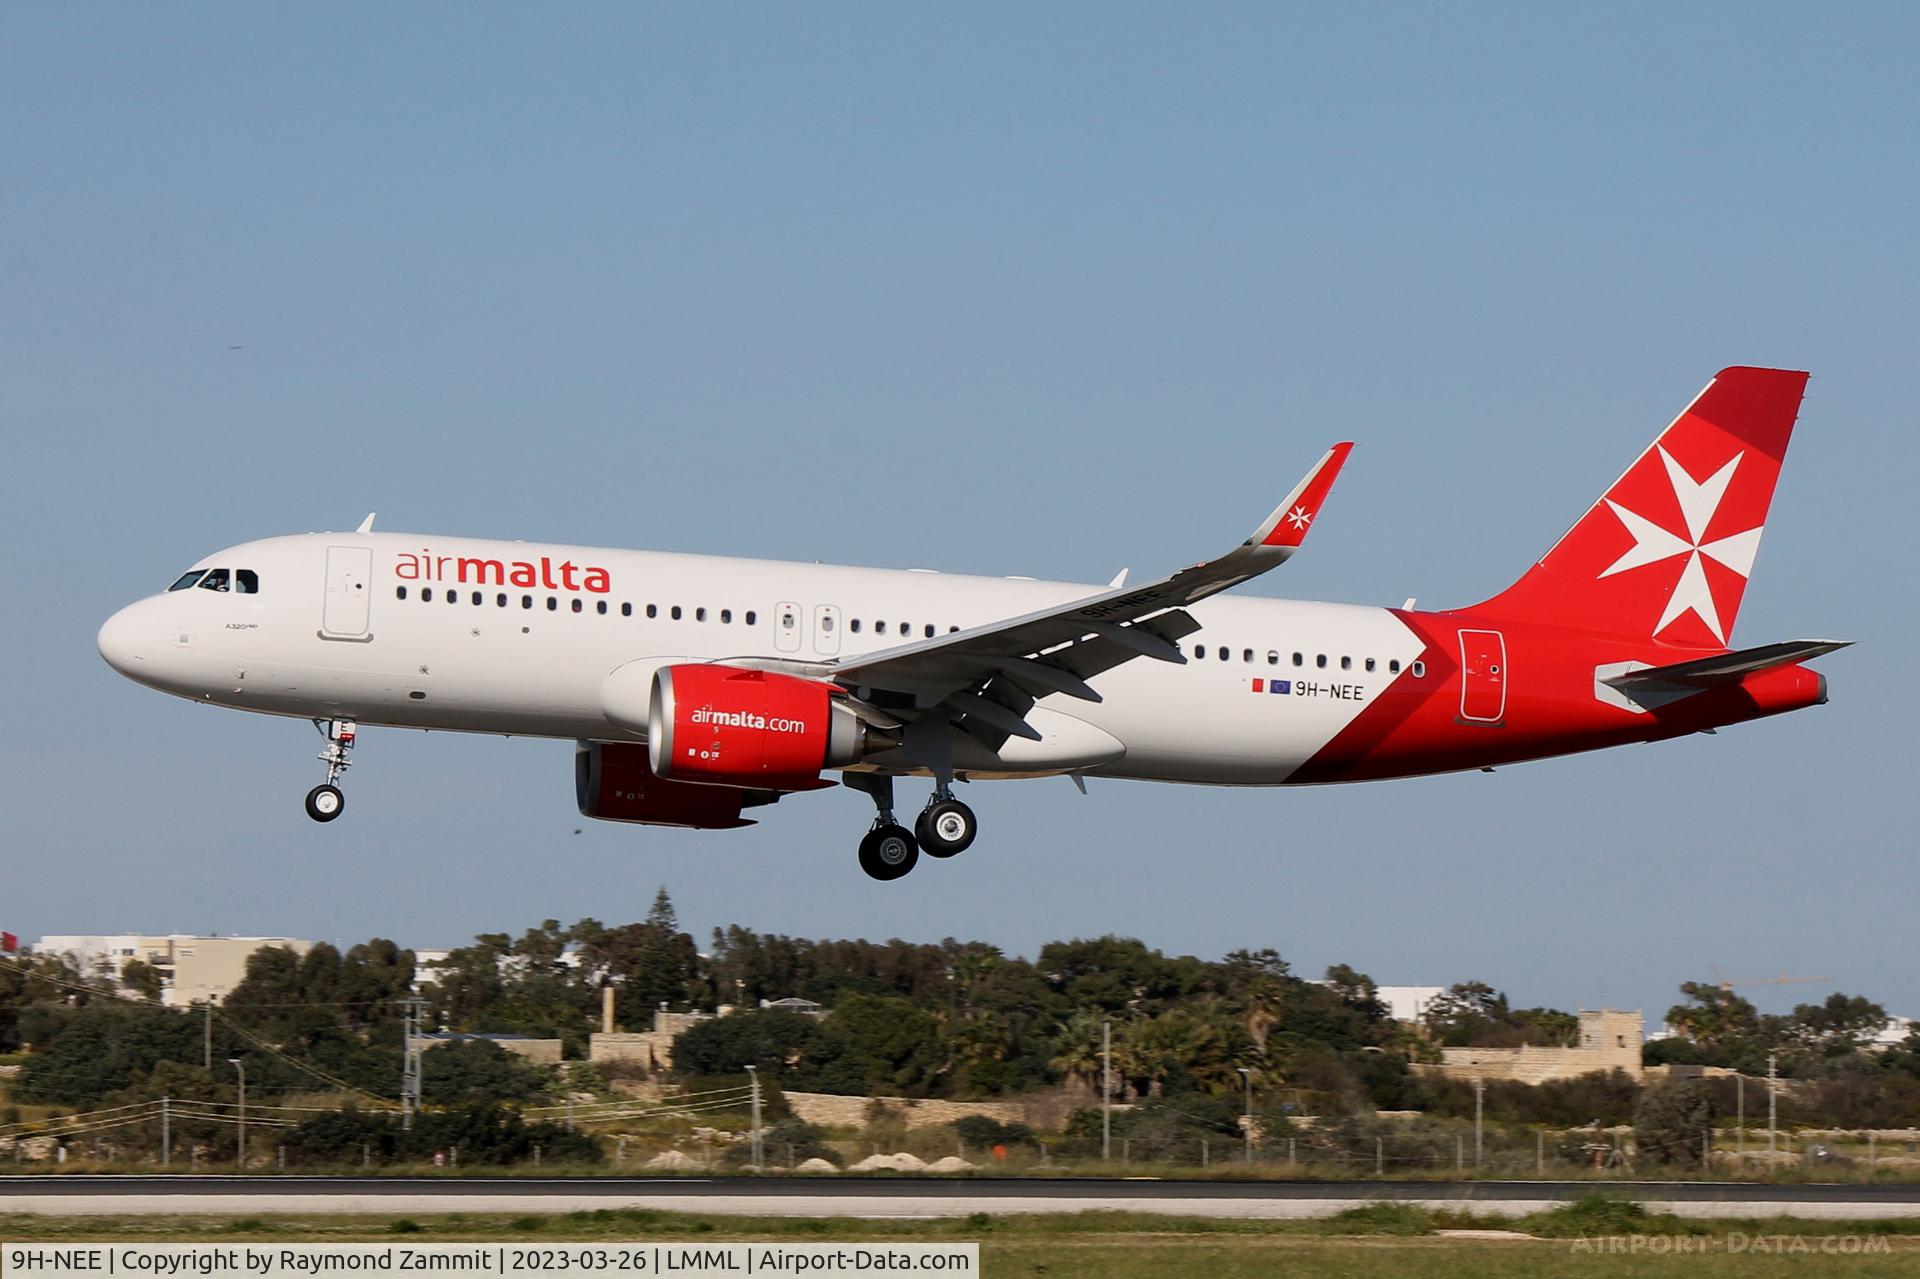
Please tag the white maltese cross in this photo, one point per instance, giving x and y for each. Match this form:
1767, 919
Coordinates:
1699, 500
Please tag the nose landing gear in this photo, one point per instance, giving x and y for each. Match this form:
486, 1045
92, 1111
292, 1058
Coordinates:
326, 801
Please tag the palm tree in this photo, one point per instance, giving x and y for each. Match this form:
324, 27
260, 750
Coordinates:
1077, 1049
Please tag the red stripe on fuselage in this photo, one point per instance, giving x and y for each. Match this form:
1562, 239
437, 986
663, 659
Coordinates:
1415, 725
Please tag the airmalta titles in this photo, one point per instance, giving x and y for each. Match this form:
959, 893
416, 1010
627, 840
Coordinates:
428, 567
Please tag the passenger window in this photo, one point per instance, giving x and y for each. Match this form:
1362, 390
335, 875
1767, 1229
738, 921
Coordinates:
577, 606
626, 610
1299, 659
426, 593
601, 608
788, 619
246, 582
1393, 666
1273, 658
1246, 655
1321, 661
399, 592
854, 625
215, 580
879, 628
1419, 670
1346, 663
1200, 651
749, 617
931, 630
1225, 653
675, 612
478, 599
553, 604
953, 630
726, 616
501, 599
653, 610
453, 596
826, 623
1369, 663
188, 579
526, 601
699, 614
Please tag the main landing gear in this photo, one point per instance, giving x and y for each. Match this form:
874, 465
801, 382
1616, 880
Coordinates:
945, 827
326, 801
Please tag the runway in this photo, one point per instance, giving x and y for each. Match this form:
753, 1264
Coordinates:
902, 1197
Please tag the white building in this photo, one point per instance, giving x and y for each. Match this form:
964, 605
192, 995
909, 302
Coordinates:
192, 969
1409, 1003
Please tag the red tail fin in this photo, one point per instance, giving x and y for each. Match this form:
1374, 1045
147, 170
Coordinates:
1666, 552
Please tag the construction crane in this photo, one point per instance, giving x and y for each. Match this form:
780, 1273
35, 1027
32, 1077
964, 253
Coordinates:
1725, 982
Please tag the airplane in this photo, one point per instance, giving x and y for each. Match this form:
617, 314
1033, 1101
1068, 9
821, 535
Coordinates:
698, 687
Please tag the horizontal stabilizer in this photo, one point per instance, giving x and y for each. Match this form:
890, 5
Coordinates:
1724, 668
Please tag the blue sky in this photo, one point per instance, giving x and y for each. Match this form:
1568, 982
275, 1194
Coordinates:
1008, 289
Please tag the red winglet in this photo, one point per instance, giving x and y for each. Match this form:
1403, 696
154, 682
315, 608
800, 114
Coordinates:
1296, 514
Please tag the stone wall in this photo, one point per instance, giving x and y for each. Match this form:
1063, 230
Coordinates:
652, 1049
1609, 1040
545, 1052
830, 1110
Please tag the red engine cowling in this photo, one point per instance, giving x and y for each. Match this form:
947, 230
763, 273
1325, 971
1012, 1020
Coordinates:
721, 725
614, 783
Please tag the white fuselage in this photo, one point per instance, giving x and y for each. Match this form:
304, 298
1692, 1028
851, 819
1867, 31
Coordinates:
517, 638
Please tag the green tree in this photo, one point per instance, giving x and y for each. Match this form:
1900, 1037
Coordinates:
778, 1042
477, 1071
1464, 1013
882, 1045
142, 978
651, 962
1714, 1017
1672, 1122
1842, 1024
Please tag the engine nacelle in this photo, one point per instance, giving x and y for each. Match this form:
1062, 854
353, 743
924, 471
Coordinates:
721, 725
615, 783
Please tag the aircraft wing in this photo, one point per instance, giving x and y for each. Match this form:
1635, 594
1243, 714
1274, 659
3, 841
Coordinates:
987, 677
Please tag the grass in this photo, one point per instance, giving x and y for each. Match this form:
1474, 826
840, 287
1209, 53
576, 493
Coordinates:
1376, 1240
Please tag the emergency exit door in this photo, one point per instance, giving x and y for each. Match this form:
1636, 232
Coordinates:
349, 593
1483, 676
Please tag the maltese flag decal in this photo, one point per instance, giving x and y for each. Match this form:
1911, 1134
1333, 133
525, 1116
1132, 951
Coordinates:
9, 943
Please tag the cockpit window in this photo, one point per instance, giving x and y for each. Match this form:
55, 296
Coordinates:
216, 580
246, 581
186, 580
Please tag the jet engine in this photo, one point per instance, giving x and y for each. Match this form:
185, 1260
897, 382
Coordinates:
614, 783
721, 725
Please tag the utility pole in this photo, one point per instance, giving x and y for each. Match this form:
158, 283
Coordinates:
1773, 1111
206, 1038
241, 1067
1248, 1076
753, 1079
1106, 1092
410, 1060
1740, 1119
1479, 1106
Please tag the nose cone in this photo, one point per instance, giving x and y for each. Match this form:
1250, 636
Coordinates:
127, 639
